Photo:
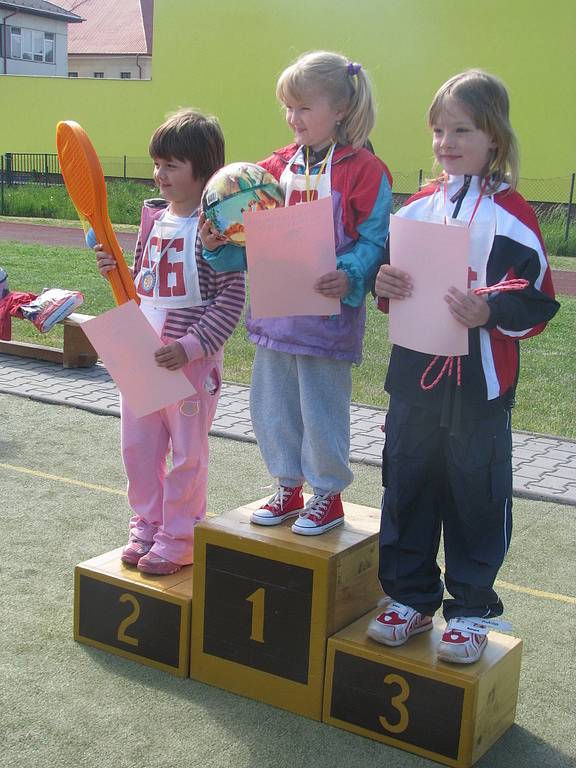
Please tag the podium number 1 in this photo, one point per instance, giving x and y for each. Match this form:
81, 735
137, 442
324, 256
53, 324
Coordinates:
132, 617
398, 704
257, 600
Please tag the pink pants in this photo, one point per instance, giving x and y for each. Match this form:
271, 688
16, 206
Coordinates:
167, 503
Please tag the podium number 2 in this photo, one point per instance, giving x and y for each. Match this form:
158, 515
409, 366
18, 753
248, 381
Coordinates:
132, 617
398, 704
257, 600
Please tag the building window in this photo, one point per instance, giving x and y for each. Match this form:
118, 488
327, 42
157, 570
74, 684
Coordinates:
99, 75
16, 42
49, 47
125, 75
72, 74
27, 45
32, 45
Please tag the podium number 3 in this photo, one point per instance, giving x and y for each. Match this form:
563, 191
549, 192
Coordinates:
132, 617
257, 600
398, 704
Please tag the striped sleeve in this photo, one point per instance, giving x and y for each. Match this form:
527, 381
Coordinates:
203, 330
220, 317
138, 253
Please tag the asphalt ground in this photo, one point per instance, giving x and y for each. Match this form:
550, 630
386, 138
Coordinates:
64, 704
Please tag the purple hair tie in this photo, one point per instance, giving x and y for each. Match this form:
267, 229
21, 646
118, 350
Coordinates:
354, 68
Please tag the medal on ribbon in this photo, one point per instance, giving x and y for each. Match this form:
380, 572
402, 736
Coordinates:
148, 280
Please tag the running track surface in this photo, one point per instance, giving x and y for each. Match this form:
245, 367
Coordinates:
47, 235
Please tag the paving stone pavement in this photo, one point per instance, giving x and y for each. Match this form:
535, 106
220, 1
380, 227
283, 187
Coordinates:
544, 466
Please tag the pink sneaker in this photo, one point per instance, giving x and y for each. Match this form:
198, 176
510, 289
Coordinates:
397, 624
465, 639
134, 550
286, 502
159, 566
321, 514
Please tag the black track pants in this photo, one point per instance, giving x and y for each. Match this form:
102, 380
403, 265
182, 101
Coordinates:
461, 485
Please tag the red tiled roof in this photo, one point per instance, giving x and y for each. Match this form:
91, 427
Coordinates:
110, 26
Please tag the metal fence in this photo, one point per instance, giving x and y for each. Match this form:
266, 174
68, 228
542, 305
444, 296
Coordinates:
43, 168
553, 198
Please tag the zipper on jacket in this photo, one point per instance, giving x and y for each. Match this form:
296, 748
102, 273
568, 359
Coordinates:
459, 196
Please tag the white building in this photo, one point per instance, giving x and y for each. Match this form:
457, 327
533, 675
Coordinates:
34, 38
114, 40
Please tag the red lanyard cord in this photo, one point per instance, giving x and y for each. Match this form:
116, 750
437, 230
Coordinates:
504, 285
477, 204
448, 365
446, 368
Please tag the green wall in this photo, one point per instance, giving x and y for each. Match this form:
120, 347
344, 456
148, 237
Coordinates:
224, 58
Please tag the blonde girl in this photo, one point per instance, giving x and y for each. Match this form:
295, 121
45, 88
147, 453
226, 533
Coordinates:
301, 381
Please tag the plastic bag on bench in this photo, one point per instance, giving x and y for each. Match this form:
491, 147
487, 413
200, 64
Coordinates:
50, 307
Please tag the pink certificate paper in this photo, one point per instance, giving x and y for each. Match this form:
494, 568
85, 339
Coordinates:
435, 255
126, 342
287, 250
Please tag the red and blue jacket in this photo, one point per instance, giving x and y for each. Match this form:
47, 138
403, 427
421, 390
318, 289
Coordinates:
361, 199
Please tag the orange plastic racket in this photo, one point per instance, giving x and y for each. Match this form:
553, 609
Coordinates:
85, 183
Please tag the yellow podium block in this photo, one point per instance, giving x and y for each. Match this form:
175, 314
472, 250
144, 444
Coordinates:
406, 697
266, 600
144, 618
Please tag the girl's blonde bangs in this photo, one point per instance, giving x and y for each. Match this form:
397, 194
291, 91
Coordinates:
294, 85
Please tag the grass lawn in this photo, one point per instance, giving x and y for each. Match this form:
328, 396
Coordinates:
566, 263
546, 393
52, 202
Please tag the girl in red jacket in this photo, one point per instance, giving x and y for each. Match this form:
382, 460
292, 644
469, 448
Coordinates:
301, 380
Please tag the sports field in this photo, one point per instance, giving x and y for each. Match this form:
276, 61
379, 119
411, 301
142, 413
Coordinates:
70, 706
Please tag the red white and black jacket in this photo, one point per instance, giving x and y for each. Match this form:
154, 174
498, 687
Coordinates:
490, 370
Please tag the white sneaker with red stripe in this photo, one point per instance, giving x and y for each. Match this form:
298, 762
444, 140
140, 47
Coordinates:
286, 502
397, 624
321, 514
465, 639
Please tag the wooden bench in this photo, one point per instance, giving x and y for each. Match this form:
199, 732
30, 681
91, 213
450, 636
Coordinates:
77, 351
